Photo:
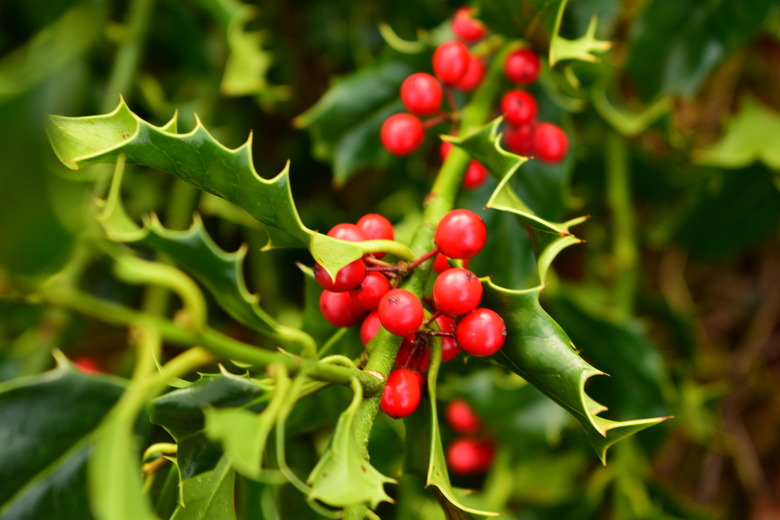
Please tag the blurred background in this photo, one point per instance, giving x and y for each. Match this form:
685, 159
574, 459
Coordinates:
675, 155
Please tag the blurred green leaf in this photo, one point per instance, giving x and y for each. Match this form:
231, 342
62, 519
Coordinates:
209, 496
751, 134
674, 47
582, 48
47, 432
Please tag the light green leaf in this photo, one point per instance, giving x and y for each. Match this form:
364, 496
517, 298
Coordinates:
343, 477
209, 496
582, 48
752, 134
538, 350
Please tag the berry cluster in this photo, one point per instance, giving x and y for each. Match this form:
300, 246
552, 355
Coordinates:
456, 67
367, 291
472, 453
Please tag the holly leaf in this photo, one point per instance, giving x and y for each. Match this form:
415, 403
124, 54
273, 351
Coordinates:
548, 238
195, 157
47, 432
343, 476
209, 496
539, 351
752, 134
582, 48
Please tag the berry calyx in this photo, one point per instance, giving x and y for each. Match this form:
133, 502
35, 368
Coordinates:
370, 290
348, 277
449, 347
467, 456
401, 396
462, 418
421, 94
338, 309
400, 312
402, 134
460, 234
550, 143
369, 327
466, 27
450, 61
519, 107
457, 291
522, 66
472, 78
520, 139
481, 332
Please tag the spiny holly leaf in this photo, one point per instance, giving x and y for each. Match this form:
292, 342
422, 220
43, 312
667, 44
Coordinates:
343, 477
196, 157
538, 350
47, 432
527, 20
752, 134
581, 48
549, 238
209, 496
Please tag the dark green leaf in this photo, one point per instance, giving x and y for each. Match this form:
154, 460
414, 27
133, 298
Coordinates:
209, 496
675, 46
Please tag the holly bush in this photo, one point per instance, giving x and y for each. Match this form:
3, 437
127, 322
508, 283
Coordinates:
374, 260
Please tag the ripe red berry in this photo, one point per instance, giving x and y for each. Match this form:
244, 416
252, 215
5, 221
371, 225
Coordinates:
449, 347
519, 107
472, 78
462, 418
370, 291
338, 309
460, 234
457, 291
520, 139
444, 149
413, 353
348, 277
86, 365
402, 134
348, 232
402, 393
450, 61
522, 66
550, 143
481, 332
400, 312
421, 94
467, 456
376, 227
441, 263
475, 175
467, 28
369, 327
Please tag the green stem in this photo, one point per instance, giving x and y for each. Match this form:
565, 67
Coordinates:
624, 246
129, 52
219, 344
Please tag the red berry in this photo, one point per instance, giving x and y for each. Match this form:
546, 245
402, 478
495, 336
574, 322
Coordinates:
421, 94
520, 139
550, 143
348, 232
465, 27
402, 134
376, 227
472, 78
369, 327
402, 393
348, 277
462, 418
522, 66
413, 353
481, 332
467, 456
87, 365
460, 234
370, 291
519, 107
441, 263
338, 309
400, 312
444, 149
449, 347
457, 291
450, 61
475, 175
